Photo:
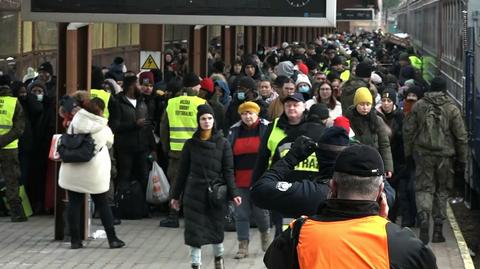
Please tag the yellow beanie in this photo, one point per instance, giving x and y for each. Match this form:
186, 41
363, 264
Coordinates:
362, 95
249, 106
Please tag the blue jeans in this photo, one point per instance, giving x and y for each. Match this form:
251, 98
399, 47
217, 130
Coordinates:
196, 253
247, 211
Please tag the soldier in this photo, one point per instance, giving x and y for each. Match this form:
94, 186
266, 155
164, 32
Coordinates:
12, 124
435, 139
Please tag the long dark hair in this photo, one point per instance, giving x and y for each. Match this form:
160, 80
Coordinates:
332, 102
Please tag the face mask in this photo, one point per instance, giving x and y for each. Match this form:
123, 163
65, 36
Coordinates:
240, 96
40, 97
304, 89
260, 52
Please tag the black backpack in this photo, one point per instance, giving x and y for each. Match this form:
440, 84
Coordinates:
130, 201
76, 148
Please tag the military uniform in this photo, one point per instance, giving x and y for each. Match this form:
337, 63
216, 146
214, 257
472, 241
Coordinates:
12, 125
434, 155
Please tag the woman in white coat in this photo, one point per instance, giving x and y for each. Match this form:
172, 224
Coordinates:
92, 177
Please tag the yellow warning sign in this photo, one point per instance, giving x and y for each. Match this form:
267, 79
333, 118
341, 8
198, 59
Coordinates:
150, 63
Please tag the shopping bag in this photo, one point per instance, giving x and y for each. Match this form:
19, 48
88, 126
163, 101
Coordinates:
53, 154
158, 187
27, 208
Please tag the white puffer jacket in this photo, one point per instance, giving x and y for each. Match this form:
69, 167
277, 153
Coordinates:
92, 176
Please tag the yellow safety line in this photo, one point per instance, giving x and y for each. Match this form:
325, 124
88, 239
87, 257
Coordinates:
462, 245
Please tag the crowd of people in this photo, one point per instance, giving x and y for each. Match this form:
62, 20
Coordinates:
270, 127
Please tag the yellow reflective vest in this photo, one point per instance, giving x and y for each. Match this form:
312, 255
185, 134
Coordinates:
182, 119
7, 109
276, 136
344, 76
105, 96
415, 62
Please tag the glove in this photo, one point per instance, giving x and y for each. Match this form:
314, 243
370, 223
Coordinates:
300, 150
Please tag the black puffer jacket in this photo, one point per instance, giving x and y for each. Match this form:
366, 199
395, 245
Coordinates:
203, 161
129, 137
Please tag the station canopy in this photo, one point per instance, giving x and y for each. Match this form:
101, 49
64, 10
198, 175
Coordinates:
307, 13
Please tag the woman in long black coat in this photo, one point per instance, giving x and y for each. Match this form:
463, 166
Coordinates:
206, 157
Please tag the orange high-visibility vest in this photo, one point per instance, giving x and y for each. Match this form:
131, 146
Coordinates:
357, 243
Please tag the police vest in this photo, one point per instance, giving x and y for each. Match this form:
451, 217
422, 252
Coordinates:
182, 119
359, 243
344, 76
416, 62
105, 96
310, 164
7, 109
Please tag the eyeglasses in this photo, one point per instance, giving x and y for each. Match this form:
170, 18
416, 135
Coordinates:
325, 89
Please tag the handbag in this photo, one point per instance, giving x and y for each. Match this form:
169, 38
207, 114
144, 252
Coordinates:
53, 153
76, 148
217, 194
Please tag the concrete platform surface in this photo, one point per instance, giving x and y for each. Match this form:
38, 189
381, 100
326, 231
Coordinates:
31, 245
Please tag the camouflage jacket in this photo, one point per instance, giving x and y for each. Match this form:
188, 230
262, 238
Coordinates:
455, 144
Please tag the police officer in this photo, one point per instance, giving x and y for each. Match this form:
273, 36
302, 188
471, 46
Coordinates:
351, 229
12, 124
435, 141
177, 126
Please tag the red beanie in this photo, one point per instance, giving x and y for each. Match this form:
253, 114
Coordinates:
207, 84
342, 121
146, 78
303, 68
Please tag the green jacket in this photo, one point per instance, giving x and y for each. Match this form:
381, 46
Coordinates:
373, 131
455, 144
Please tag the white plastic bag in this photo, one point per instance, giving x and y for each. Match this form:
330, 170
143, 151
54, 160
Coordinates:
158, 187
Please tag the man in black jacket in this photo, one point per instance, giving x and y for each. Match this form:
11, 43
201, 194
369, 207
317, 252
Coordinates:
351, 229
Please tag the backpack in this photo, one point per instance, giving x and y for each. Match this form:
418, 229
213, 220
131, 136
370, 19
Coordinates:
434, 129
131, 201
76, 148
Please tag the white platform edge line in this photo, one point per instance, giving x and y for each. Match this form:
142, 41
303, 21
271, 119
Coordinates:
462, 245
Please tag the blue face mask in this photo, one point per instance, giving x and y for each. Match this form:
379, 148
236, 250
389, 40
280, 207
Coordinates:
304, 89
240, 96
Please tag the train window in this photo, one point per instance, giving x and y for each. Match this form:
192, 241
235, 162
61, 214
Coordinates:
45, 35
9, 39
97, 36
124, 33
27, 36
109, 35
135, 36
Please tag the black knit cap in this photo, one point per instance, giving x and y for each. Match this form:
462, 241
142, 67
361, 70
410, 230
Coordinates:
360, 160
438, 84
204, 109
364, 70
390, 94
191, 80
319, 111
335, 135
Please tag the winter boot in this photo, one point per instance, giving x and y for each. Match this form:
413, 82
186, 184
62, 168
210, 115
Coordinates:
195, 266
242, 249
113, 240
424, 221
219, 264
438, 233
265, 239
171, 221
17, 214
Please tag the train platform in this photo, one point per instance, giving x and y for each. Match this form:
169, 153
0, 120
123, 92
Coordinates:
31, 245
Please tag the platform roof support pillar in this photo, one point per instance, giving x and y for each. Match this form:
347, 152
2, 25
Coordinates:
229, 44
198, 49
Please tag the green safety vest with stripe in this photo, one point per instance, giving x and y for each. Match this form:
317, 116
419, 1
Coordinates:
415, 62
344, 76
7, 109
182, 119
105, 96
276, 136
